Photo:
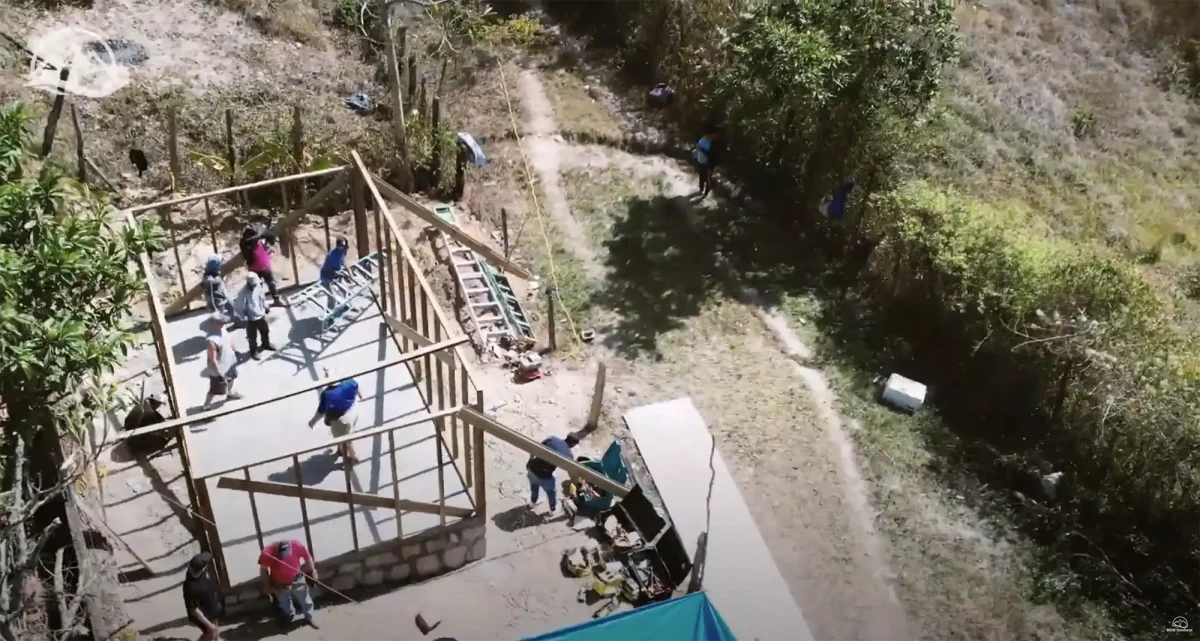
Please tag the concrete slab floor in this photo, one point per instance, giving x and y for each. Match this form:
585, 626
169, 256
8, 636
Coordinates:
303, 355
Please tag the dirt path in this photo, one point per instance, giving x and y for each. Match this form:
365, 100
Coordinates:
543, 150
868, 607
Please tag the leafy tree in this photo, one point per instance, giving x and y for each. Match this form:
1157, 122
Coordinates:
67, 287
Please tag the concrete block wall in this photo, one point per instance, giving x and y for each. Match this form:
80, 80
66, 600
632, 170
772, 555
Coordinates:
392, 563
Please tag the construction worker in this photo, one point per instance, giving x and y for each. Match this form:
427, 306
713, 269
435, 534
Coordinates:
335, 261
336, 405
284, 570
252, 303
255, 249
216, 296
221, 370
707, 154
541, 473
201, 600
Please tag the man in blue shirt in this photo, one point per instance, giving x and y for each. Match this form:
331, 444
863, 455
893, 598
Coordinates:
335, 260
541, 473
336, 403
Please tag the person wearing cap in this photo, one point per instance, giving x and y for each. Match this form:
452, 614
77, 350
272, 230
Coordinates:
255, 247
252, 303
216, 296
200, 597
284, 570
336, 405
221, 370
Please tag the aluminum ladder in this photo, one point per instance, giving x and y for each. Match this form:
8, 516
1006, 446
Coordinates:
489, 297
351, 284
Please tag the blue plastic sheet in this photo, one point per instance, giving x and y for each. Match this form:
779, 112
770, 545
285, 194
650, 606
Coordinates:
687, 618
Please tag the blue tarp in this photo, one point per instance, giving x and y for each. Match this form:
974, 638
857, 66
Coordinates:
687, 618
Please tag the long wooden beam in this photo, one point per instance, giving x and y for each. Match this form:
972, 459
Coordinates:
334, 496
427, 214
183, 200
409, 332
353, 436
233, 408
534, 448
283, 225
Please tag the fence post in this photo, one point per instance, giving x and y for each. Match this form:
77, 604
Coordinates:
173, 147
55, 112
298, 155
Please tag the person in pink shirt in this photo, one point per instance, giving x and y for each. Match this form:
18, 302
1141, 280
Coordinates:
284, 570
257, 252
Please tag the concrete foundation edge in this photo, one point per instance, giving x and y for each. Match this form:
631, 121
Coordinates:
389, 564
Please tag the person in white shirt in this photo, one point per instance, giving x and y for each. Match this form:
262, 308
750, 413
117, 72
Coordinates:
221, 370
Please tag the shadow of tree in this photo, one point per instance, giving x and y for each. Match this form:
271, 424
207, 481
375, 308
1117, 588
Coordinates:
661, 270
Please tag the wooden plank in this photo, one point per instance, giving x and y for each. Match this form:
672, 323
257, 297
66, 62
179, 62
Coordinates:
479, 463
338, 496
395, 484
347, 470
303, 389
426, 214
362, 234
299, 493
254, 511
229, 190
165, 216
441, 465
354, 436
593, 418
704, 502
413, 335
534, 448
282, 225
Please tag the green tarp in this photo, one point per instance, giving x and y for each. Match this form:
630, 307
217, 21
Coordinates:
687, 618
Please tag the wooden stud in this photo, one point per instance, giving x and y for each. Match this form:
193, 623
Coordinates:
324, 193
212, 229
362, 233
593, 419
465, 379
480, 463
439, 426
413, 309
453, 389
209, 524
383, 279
173, 147
361, 499
289, 238
425, 331
390, 260
399, 126
164, 214
395, 484
303, 506
253, 509
347, 470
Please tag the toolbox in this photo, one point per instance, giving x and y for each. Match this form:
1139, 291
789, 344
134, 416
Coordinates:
661, 564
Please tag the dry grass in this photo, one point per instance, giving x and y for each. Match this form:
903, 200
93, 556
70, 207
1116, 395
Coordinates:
1059, 107
299, 20
579, 104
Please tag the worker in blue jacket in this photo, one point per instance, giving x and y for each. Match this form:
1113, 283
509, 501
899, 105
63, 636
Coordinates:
335, 261
336, 405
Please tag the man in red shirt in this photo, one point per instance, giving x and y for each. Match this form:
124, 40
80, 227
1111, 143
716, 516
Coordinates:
284, 567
